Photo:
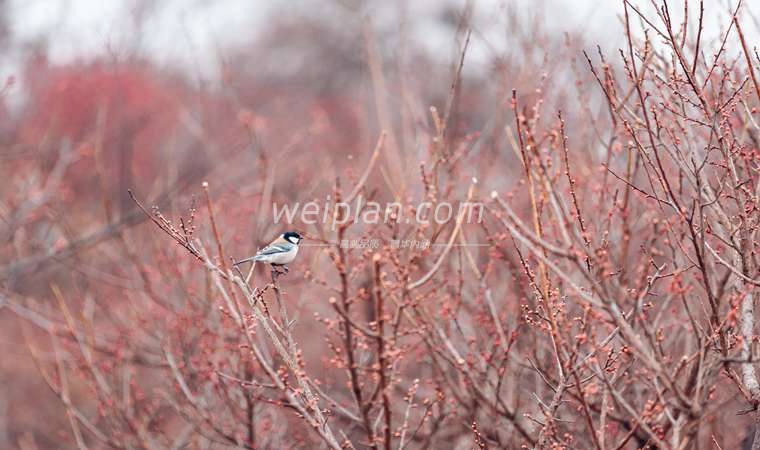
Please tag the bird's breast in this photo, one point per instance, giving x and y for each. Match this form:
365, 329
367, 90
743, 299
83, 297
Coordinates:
284, 257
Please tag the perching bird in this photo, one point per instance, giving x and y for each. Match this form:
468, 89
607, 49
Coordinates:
280, 252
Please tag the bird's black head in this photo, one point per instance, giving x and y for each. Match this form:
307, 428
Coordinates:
292, 237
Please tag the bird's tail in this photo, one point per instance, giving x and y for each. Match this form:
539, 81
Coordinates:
243, 261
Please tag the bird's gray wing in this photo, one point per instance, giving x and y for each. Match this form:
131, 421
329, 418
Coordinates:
269, 250
274, 249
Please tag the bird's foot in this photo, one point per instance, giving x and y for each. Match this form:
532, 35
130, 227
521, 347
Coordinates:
277, 272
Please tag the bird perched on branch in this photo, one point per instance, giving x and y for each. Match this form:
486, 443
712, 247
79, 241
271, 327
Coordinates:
280, 252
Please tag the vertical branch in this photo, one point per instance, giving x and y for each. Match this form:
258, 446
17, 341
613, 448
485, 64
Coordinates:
278, 296
749, 376
382, 353
362, 404
544, 287
532, 191
571, 183
395, 160
747, 56
220, 249
214, 229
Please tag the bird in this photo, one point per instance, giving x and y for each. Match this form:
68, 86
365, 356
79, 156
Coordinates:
280, 252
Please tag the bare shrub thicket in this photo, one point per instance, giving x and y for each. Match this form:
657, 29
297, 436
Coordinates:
607, 299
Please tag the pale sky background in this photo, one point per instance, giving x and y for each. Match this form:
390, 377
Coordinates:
190, 34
